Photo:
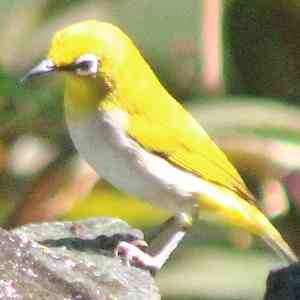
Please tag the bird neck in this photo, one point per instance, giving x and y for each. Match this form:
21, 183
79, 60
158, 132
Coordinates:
82, 96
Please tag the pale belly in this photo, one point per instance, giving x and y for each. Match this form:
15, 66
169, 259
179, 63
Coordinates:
103, 143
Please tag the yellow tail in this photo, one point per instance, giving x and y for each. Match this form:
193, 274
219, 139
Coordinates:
281, 248
273, 238
229, 208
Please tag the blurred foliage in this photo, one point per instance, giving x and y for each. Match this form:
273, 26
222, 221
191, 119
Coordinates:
262, 47
41, 178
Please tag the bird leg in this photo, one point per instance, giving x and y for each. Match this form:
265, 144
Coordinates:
160, 248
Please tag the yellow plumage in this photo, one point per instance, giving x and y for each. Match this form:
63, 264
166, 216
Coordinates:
156, 121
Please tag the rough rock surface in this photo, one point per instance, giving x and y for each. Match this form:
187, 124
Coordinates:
284, 283
65, 260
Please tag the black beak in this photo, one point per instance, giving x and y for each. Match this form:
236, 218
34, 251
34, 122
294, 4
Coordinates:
44, 67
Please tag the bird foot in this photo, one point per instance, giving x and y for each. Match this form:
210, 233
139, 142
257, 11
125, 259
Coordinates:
152, 258
133, 254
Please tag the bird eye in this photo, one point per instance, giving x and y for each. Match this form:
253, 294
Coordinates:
84, 65
87, 65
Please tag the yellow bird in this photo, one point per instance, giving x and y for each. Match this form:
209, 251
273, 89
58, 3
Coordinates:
139, 138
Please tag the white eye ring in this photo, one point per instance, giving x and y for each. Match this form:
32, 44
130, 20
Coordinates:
87, 65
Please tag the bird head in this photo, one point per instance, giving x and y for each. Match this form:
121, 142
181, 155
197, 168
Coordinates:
88, 49
101, 64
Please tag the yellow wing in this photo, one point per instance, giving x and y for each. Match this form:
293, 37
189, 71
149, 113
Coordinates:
185, 144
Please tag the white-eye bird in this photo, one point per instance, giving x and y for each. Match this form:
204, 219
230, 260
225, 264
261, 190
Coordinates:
138, 137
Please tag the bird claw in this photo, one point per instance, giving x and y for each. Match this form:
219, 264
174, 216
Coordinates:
133, 255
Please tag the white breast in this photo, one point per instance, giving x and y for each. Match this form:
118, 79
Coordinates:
104, 144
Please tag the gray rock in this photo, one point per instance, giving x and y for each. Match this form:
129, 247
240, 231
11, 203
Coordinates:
284, 283
73, 265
